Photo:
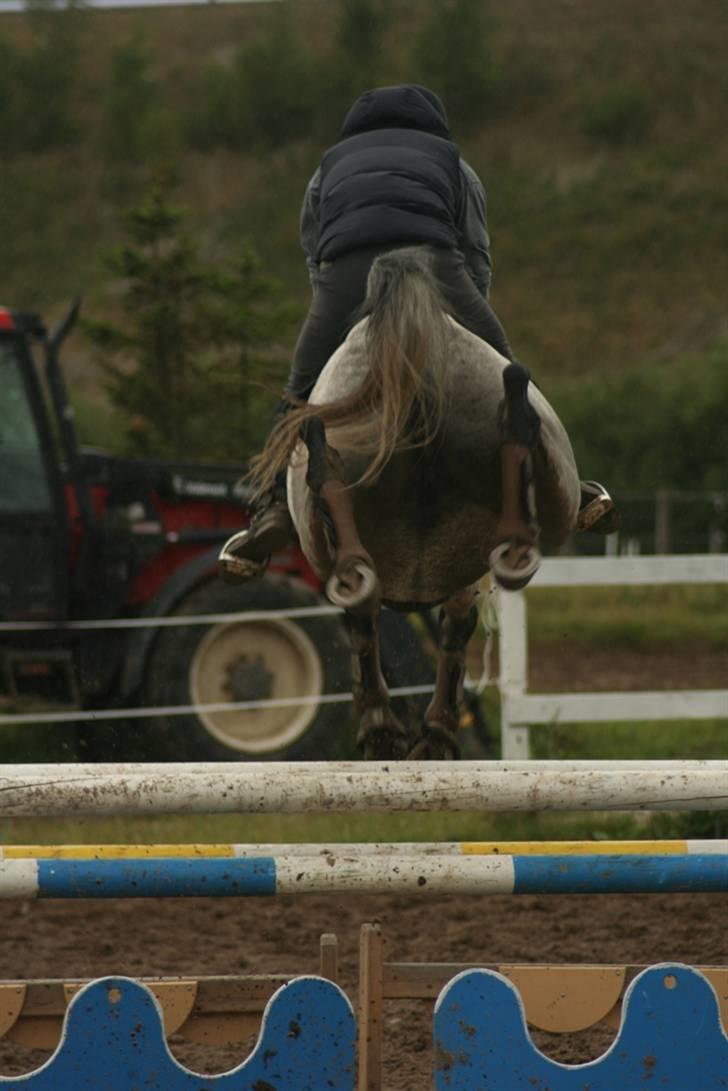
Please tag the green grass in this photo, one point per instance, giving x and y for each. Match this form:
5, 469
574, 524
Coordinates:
178, 829
631, 617
643, 741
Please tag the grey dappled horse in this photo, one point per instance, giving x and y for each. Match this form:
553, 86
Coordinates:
426, 461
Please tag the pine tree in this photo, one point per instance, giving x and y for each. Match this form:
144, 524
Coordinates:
196, 361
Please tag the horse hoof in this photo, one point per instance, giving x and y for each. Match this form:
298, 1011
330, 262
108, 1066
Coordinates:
381, 737
353, 594
436, 743
384, 746
509, 576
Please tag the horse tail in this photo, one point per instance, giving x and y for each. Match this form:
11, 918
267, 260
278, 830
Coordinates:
401, 401
406, 341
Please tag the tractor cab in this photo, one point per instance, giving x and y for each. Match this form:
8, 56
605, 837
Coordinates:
33, 522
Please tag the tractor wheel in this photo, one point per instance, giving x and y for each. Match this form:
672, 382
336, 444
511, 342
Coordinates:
259, 659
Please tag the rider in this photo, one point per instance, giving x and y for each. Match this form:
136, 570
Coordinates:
394, 179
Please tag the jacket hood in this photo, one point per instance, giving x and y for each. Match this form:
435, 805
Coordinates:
406, 106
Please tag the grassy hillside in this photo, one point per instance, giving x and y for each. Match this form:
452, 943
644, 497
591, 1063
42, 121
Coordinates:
601, 140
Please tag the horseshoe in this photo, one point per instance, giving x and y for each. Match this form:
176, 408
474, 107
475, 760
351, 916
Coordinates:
508, 576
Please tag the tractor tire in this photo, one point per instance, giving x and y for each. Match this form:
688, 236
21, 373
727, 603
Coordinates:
241, 660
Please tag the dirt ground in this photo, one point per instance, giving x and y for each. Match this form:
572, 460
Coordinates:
562, 668
41, 939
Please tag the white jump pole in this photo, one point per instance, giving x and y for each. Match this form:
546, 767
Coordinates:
337, 787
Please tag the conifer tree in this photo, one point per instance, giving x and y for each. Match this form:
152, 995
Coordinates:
197, 359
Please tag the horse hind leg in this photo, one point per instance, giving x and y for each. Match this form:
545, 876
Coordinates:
354, 586
456, 624
515, 559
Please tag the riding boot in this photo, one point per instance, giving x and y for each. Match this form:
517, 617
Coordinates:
597, 511
245, 556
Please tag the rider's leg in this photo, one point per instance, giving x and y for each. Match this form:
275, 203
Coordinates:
245, 555
465, 302
338, 298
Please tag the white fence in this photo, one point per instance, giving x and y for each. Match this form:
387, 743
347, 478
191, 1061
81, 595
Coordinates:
520, 709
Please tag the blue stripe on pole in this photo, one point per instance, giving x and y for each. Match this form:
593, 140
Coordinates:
176, 878
620, 874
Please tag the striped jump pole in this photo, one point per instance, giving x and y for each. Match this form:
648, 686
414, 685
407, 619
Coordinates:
336, 787
367, 874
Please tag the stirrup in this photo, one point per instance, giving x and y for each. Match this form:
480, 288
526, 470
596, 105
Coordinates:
234, 569
598, 512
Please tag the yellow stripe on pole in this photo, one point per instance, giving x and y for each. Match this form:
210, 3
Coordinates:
111, 852
573, 848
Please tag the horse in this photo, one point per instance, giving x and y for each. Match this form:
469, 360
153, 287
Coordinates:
423, 460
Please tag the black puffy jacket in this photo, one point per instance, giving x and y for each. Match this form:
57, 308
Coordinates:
394, 177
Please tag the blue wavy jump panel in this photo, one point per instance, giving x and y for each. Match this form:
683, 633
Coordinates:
113, 1041
670, 1038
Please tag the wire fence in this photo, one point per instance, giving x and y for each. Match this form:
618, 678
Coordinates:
158, 711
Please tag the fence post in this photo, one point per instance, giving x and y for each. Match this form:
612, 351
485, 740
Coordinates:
329, 957
662, 520
513, 655
371, 1007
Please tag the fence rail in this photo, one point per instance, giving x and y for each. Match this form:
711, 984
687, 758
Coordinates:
520, 709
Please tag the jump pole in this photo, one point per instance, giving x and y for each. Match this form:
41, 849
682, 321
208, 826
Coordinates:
336, 787
422, 875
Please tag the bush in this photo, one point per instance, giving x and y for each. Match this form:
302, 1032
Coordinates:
355, 64
659, 425
40, 83
264, 100
212, 115
622, 115
452, 52
134, 121
524, 81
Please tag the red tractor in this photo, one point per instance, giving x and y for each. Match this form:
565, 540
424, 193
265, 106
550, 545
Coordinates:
88, 536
